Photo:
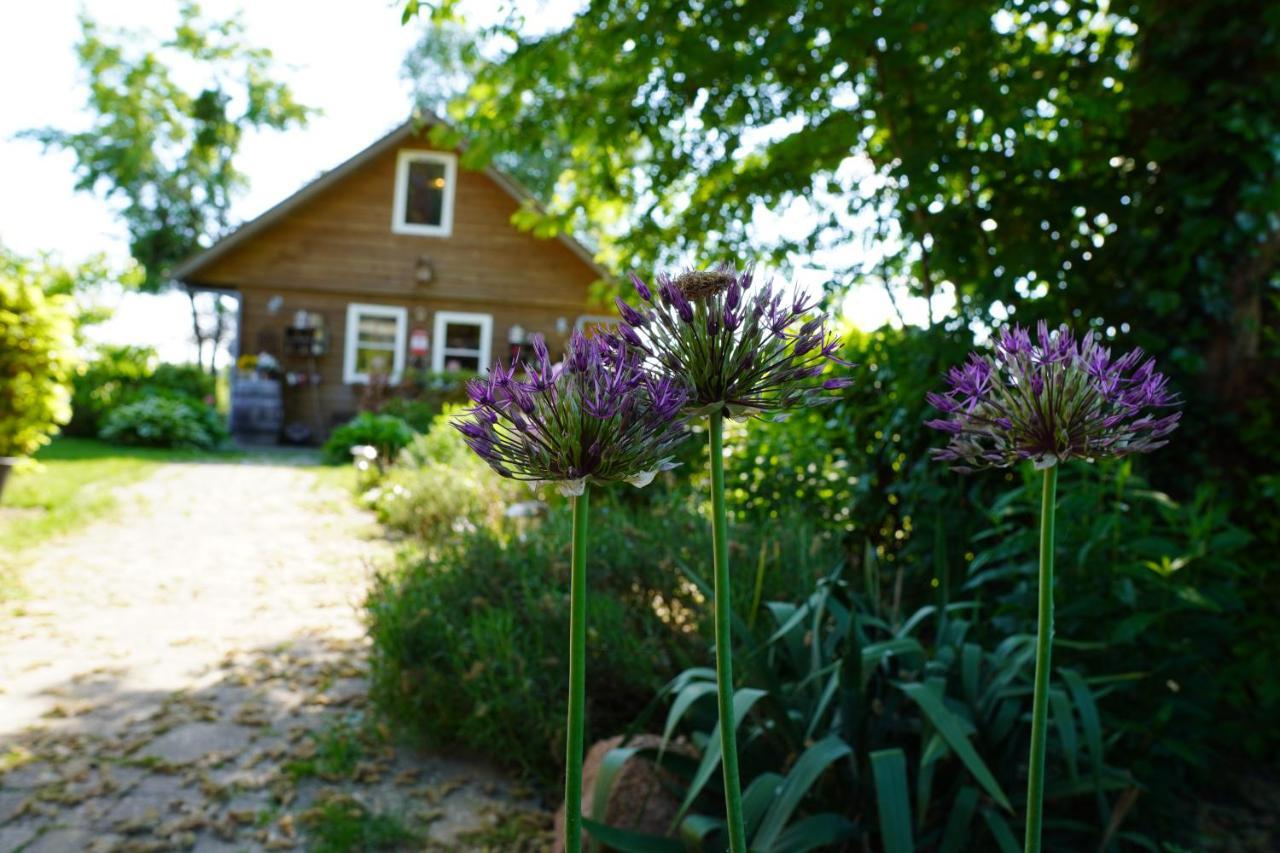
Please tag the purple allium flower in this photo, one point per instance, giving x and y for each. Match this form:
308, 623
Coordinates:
1051, 400
736, 348
598, 417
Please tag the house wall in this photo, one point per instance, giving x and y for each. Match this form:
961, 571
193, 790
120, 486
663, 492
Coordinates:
338, 248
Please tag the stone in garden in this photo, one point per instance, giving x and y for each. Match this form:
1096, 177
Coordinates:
638, 799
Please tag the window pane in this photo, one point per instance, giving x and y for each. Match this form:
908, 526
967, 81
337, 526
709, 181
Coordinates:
462, 336
375, 329
424, 204
373, 360
462, 362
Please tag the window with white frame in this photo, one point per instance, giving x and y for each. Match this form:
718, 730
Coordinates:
463, 341
424, 193
375, 342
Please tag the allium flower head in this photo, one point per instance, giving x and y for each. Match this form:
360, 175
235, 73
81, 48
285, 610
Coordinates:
598, 416
1051, 400
736, 347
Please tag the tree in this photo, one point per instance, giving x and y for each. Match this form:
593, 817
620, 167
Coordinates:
164, 143
37, 358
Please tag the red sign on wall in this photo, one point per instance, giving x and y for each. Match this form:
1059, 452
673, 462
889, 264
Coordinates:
418, 342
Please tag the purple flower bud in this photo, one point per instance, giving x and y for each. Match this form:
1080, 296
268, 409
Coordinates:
837, 384
629, 314
641, 288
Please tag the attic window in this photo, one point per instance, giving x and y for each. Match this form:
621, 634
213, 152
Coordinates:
424, 193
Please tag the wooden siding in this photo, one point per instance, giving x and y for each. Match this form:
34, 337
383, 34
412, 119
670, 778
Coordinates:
339, 248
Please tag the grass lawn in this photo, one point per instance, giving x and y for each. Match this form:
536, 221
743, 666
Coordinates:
73, 485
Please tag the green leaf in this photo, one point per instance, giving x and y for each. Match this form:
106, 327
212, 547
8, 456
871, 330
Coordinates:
1089, 719
756, 799
819, 832
1000, 831
952, 729
743, 700
889, 768
683, 701
1064, 721
956, 832
811, 764
629, 841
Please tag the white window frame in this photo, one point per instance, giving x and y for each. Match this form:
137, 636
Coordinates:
439, 352
403, 160
354, 312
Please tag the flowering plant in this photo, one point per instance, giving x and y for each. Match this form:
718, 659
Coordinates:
598, 417
1049, 401
740, 351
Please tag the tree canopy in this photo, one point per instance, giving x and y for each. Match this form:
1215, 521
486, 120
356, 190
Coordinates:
168, 118
1114, 164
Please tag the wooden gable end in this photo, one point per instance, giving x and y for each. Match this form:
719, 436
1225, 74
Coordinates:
341, 241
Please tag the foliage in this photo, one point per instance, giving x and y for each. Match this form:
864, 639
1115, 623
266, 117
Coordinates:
37, 356
161, 421
469, 645
169, 118
833, 683
440, 490
1158, 584
418, 414
339, 823
386, 433
121, 374
80, 283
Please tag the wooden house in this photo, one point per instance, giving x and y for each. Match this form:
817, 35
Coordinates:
398, 260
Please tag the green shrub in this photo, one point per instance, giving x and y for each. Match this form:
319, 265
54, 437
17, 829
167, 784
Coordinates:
837, 689
37, 355
113, 376
387, 433
158, 421
470, 644
182, 380
418, 414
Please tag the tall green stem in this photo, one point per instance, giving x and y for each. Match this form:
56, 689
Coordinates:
1044, 646
724, 641
577, 676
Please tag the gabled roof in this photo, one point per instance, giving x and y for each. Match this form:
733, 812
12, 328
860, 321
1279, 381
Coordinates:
188, 271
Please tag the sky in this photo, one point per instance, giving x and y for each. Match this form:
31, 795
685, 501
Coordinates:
342, 56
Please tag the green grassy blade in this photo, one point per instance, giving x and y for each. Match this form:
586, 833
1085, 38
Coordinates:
610, 767
684, 700
1000, 831
1089, 720
696, 828
970, 670
820, 832
756, 799
889, 769
952, 730
811, 764
1064, 721
743, 700
956, 832
629, 841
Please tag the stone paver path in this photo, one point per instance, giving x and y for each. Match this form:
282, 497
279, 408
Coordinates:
190, 674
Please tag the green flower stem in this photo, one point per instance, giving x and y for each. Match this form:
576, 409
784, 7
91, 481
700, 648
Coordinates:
724, 641
577, 676
1044, 646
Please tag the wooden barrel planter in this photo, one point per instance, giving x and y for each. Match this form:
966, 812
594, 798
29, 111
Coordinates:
257, 411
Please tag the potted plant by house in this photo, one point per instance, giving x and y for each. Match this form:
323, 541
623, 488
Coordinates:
37, 357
